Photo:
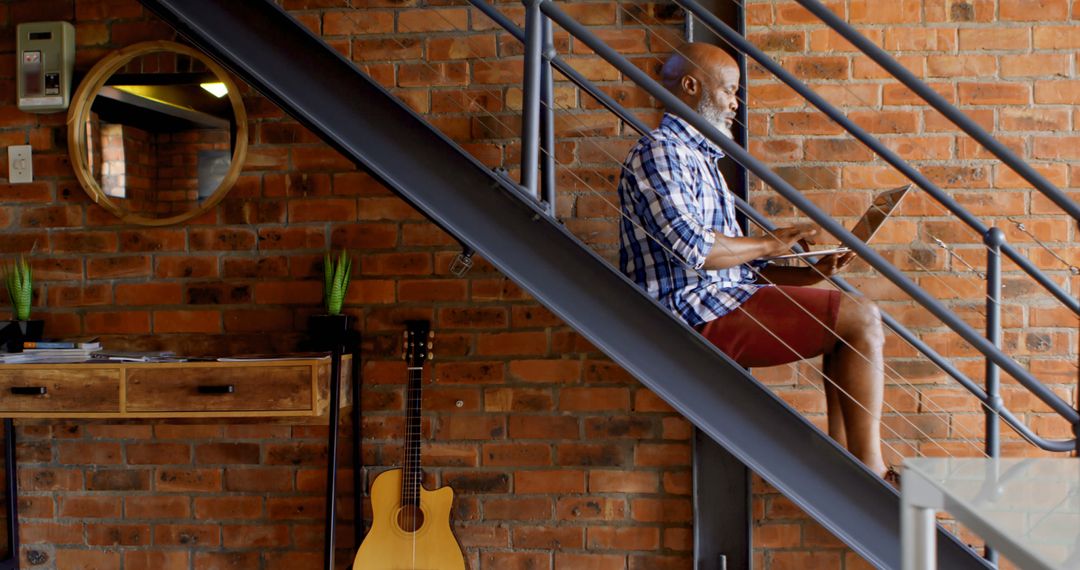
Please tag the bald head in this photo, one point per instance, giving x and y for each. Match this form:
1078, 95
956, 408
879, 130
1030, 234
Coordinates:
706, 78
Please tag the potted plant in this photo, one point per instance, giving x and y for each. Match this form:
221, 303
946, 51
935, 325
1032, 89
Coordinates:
19, 280
329, 329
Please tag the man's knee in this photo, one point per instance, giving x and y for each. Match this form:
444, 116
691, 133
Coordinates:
860, 320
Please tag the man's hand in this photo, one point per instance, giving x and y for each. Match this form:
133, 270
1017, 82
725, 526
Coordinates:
782, 239
832, 264
827, 266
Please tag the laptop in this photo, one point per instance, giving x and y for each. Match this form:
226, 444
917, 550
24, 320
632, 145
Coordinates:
883, 206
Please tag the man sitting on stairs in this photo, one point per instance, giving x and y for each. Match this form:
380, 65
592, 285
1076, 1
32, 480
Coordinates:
679, 240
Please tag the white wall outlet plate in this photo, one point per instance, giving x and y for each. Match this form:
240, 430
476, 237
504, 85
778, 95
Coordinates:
20, 164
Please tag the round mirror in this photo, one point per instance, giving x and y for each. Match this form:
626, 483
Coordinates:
157, 133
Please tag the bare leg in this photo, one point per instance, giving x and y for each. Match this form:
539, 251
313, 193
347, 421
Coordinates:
856, 365
832, 402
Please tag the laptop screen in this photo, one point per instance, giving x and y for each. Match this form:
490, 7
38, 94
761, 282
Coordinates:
883, 206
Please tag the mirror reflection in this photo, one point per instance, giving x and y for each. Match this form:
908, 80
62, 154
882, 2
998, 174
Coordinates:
160, 135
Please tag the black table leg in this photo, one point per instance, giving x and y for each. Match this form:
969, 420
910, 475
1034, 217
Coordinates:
331, 459
11, 503
358, 460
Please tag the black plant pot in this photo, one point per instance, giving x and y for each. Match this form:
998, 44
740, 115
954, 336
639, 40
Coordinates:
13, 333
325, 332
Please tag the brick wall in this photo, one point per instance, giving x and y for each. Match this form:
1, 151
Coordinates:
558, 457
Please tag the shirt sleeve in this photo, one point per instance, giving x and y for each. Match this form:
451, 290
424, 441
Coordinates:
667, 179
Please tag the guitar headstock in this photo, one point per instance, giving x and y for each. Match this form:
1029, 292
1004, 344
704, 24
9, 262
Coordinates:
416, 346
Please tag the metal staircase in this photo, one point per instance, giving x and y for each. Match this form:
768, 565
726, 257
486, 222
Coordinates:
287, 63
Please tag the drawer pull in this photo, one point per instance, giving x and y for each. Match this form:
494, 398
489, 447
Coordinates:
28, 390
225, 389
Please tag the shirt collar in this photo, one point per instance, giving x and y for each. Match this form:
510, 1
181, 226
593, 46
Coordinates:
683, 131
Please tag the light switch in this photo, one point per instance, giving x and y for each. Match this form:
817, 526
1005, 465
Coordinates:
20, 164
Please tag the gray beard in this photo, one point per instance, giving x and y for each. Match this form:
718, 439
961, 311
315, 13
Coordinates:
717, 118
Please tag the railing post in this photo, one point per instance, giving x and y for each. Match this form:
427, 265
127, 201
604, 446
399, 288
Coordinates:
530, 103
547, 117
994, 239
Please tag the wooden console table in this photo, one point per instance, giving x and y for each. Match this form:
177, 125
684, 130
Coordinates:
292, 388
133, 390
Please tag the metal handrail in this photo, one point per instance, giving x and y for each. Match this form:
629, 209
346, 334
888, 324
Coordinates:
824, 220
956, 116
742, 44
990, 400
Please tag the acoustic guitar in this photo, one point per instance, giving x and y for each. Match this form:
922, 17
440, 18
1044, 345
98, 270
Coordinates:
410, 527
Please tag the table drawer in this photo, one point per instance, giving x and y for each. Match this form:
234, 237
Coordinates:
220, 389
60, 390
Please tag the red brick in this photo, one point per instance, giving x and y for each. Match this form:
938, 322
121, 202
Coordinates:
92, 453
1035, 10
136, 560
90, 507
660, 510
1057, 37
594, 399
543, 427
471, 427
516, 454
187, 321
148, 293
259, 480
117, 535
86, 559
661, 454
152, 239
560, 481
623, 538
296, 508
870, 12
50, 533
530, 509
517, 400
186, 266
1035, 65
226, 560
118, 267
336, 23
548, 537
546, 371
157, 507
228, 507
806, 560
189, 535
198, 480
512, 343
531, 560
118, 322
431, 290
328, 210
994, 94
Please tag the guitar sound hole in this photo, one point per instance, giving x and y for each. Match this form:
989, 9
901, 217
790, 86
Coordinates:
410, 518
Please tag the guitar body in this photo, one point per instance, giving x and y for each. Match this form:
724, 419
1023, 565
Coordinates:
388, 546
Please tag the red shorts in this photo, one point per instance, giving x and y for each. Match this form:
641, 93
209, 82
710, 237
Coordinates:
802, 318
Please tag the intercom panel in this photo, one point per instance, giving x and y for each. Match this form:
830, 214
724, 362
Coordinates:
46, 58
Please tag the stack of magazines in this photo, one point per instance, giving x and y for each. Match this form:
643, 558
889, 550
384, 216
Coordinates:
53, 351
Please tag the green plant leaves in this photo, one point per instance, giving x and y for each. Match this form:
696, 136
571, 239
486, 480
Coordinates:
20, 287
336, 278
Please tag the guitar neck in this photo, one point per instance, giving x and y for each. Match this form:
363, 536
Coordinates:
412, 476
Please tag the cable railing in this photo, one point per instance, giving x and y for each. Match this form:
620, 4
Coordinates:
744, 46
894, 375
544, 155
998, 359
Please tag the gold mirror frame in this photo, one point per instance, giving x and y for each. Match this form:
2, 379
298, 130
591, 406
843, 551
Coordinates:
84, 99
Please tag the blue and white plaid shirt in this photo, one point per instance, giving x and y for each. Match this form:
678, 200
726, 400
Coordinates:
673, 198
